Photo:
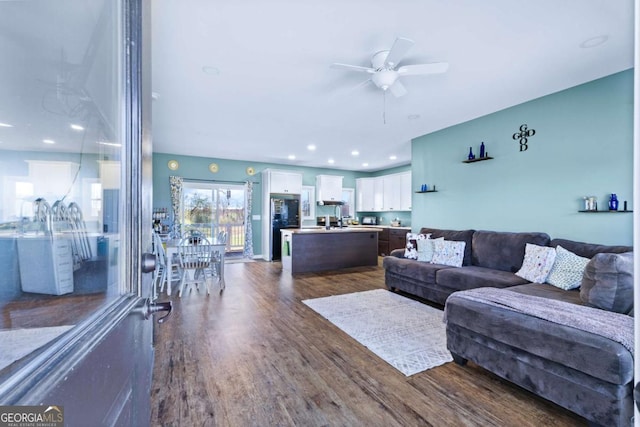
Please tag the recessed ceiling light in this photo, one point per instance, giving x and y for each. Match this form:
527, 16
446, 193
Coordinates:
5, 125
212, 71
365, 165
48, 141
291, 157
355, 153
76, 127
392, 157
311, 147
331, 161
155, 95
594, 41
413, 116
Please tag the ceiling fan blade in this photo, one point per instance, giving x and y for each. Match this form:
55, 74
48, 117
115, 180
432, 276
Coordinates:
353, 67
399, 49
414, 70
398, 89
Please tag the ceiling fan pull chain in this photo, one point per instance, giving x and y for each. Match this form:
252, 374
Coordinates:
384, 107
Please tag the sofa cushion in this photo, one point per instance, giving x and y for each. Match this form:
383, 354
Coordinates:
411, 248
418, 271
538, 261
608, 282
588, 250
471, 277
448, 252
567, 269
456, 235
426, 249
503, 250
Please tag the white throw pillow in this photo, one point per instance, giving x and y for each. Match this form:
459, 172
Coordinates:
426, 249
538, 261
448, 252
567, 269
411, 249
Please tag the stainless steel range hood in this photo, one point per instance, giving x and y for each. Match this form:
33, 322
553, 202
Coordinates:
330, 202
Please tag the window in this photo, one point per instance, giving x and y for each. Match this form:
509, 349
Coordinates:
348, 208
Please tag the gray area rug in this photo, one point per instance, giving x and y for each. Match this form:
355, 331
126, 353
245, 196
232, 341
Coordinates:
17, 343
407, 334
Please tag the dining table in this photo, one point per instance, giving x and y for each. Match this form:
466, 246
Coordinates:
171, 249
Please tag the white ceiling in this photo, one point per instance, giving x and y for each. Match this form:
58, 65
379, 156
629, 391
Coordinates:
272, 92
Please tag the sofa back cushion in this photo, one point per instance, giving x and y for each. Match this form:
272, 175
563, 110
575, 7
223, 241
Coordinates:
608, 282
501, 250
588, 250
455, 235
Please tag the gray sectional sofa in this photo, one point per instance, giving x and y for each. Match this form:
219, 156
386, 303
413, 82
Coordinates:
575, 350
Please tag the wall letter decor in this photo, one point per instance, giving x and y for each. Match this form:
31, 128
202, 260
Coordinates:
523, 135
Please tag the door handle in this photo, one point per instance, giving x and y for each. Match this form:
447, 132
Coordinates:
148, 308
148, 263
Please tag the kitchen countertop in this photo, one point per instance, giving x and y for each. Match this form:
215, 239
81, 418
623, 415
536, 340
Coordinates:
323, 230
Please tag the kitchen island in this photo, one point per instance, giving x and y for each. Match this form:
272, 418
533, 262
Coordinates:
306, 250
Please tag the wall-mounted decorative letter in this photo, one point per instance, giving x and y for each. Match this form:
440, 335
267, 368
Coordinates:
523, 136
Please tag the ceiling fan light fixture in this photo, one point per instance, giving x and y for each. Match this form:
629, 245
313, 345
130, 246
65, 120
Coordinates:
384, 79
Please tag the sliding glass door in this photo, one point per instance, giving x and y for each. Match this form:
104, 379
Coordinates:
211, 208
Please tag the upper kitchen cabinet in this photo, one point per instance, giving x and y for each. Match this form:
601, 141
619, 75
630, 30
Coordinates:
328, 188
369, 194
391, 192
283, 182
384, 193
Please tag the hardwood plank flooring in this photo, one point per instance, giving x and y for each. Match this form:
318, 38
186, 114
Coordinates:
257, 356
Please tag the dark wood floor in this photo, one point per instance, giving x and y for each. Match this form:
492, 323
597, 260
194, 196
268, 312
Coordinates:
257, 356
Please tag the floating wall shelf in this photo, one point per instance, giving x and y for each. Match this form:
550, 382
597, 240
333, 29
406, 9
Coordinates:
605, 211
428, 191
478, 159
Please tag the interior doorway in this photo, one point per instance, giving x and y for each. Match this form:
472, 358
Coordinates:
211, 207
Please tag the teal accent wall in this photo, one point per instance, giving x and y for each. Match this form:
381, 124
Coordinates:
234, 171
583, 146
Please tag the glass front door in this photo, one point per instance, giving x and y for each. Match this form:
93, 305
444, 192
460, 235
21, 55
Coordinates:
71, 137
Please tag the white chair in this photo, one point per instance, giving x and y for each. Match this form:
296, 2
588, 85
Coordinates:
195, 261
160, 273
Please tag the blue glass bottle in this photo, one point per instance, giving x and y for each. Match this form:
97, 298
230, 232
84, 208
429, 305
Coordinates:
613, 202
482, 150
471, 155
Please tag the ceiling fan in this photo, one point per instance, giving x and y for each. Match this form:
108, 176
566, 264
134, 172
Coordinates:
384, 72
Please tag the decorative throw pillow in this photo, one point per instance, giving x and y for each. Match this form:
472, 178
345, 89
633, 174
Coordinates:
448, 252
537, 263
608, 282
426, 249
567, 269
411, 250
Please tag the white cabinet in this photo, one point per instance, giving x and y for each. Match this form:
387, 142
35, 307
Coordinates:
369, 194
391, 192
328, 188
282, 182
384, 193
405, 191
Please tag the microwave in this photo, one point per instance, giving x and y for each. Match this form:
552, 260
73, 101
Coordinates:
369, 220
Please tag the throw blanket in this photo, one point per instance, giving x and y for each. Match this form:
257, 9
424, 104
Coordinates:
614, 326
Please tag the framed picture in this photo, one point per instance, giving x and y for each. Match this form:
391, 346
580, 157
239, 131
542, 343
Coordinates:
308, 202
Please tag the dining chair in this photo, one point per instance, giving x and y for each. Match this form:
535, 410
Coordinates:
160, 273
195, 261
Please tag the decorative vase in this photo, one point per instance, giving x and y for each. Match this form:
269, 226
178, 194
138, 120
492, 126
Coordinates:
482, 150
471, 156
613, 202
